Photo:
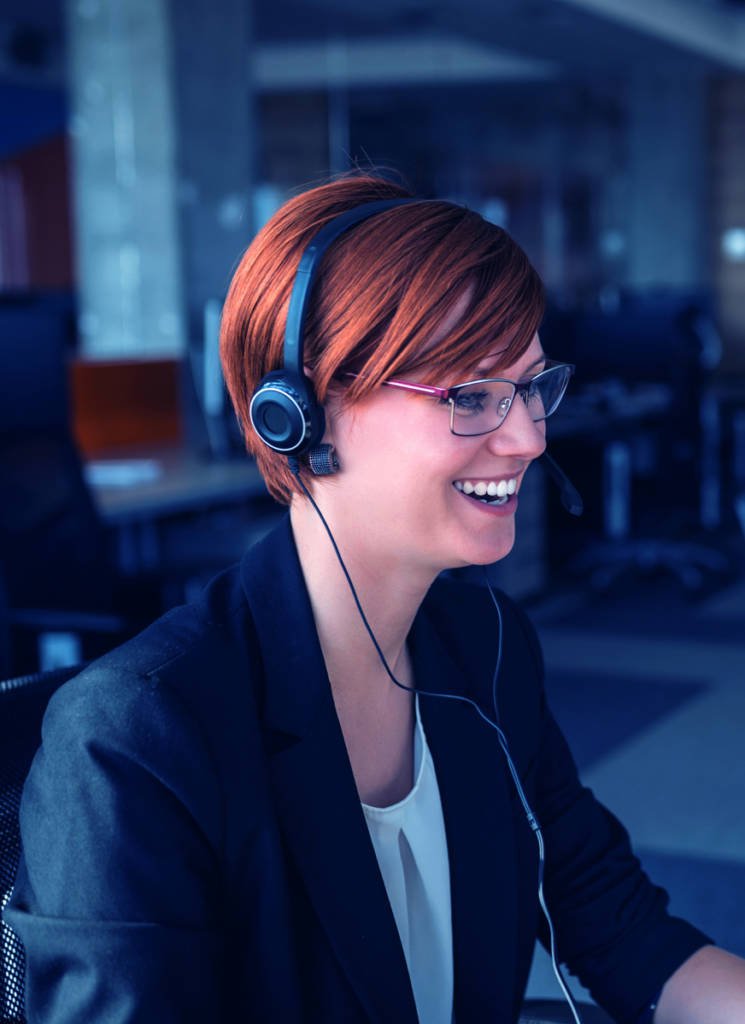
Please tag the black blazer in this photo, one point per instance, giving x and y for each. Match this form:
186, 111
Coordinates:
195, 850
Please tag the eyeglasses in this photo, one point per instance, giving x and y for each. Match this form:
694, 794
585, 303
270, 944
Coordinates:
481, 406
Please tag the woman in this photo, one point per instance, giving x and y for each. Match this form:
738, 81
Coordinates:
238, 816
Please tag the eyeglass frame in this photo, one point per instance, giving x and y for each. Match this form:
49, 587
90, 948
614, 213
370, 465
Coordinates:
521, 388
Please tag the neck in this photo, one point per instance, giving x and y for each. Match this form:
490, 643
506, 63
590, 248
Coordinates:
389, 591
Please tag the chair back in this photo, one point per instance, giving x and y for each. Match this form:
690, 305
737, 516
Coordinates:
22, 704
53, 547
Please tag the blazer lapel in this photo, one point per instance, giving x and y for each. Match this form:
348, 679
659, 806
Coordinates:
316, 798
474, 789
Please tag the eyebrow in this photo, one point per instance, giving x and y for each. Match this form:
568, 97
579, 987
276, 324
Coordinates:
542, 358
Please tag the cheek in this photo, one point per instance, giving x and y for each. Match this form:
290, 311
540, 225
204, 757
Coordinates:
399, 451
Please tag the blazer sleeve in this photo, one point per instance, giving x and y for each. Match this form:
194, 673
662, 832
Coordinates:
611, 923
118, 900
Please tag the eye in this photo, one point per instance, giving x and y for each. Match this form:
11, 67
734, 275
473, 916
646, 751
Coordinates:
532, 394
469, 403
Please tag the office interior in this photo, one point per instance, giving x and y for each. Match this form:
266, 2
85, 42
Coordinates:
142, 145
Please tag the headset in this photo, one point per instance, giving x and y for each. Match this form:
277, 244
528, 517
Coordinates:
289, 419
284, 410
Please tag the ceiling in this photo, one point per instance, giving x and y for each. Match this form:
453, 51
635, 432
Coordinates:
566, 37
580, 36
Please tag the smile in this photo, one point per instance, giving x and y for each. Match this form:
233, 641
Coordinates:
489, 492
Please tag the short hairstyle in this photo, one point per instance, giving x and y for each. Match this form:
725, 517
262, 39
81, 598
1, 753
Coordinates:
381, 292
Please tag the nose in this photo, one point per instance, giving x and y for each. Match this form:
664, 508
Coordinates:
519, 435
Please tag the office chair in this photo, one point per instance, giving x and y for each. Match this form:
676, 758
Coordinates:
22, 704
55, 573
58, 577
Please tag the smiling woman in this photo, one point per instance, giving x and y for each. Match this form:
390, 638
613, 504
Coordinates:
331, 789
426, 286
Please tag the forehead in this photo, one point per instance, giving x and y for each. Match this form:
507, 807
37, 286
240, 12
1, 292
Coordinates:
492, 364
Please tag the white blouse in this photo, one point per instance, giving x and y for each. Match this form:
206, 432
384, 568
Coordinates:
410, 844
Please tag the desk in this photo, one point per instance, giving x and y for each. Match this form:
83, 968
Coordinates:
185, 482
160, 487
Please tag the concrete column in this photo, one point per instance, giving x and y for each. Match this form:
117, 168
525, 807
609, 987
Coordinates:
666, 180
124, 180
162, 140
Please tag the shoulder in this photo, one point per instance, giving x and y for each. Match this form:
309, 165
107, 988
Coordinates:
199, 670
183, 632
171, 693
212, 629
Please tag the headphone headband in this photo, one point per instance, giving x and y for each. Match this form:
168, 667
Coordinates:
308, 269
284, 410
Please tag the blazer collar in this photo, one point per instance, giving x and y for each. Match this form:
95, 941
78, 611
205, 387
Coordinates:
321, 816
314, 789
295, 674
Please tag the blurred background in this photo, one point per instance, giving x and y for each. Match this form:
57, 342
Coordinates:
143, 143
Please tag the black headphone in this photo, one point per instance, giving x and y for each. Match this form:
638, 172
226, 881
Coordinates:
284, 410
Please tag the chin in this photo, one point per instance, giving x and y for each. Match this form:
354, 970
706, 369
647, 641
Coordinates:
484, 558
485, 553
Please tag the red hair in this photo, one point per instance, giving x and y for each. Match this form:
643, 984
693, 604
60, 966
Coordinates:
382, 290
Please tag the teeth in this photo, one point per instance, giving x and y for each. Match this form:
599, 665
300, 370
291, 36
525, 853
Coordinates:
482, 488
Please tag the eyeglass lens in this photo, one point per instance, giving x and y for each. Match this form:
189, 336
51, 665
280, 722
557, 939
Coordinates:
481, 407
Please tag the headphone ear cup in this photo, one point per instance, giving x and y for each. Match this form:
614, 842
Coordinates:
315, 416
286, 414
